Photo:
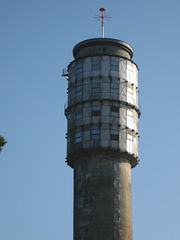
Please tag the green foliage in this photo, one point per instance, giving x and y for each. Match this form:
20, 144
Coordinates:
2, 142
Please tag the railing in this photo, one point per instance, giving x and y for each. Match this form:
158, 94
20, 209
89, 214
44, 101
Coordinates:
118, 124
102, 96
65, 73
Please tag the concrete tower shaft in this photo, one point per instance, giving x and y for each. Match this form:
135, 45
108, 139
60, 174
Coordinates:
102, 137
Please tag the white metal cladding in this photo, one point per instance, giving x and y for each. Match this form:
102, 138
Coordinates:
102, 99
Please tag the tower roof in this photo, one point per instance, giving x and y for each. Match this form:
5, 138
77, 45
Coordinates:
102, 46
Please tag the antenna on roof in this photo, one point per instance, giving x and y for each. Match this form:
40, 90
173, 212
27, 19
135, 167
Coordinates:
102, 16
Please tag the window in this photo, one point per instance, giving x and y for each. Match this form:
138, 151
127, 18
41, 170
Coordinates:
116, 199
115, 135
79, 185
114, 65
96, 87
79, 68
78, 169
96, 111
68, 116
69, 96
115, 88
129, 73
69, 72
104, 49
129, 95
95, 133
129, 90
79, 203
114, 111
116, 166
78, 137
79, 90
116, 234
79, 113
116, 214
130, 143
130, 119
78, 116
116, 183
68, 142
96, 65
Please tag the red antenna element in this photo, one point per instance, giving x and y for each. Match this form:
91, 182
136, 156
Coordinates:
102, 16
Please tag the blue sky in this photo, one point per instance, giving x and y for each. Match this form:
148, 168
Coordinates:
37, 38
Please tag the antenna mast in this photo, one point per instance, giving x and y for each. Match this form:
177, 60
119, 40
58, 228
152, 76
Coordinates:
102, 16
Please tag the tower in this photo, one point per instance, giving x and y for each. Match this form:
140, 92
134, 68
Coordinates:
102, 137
